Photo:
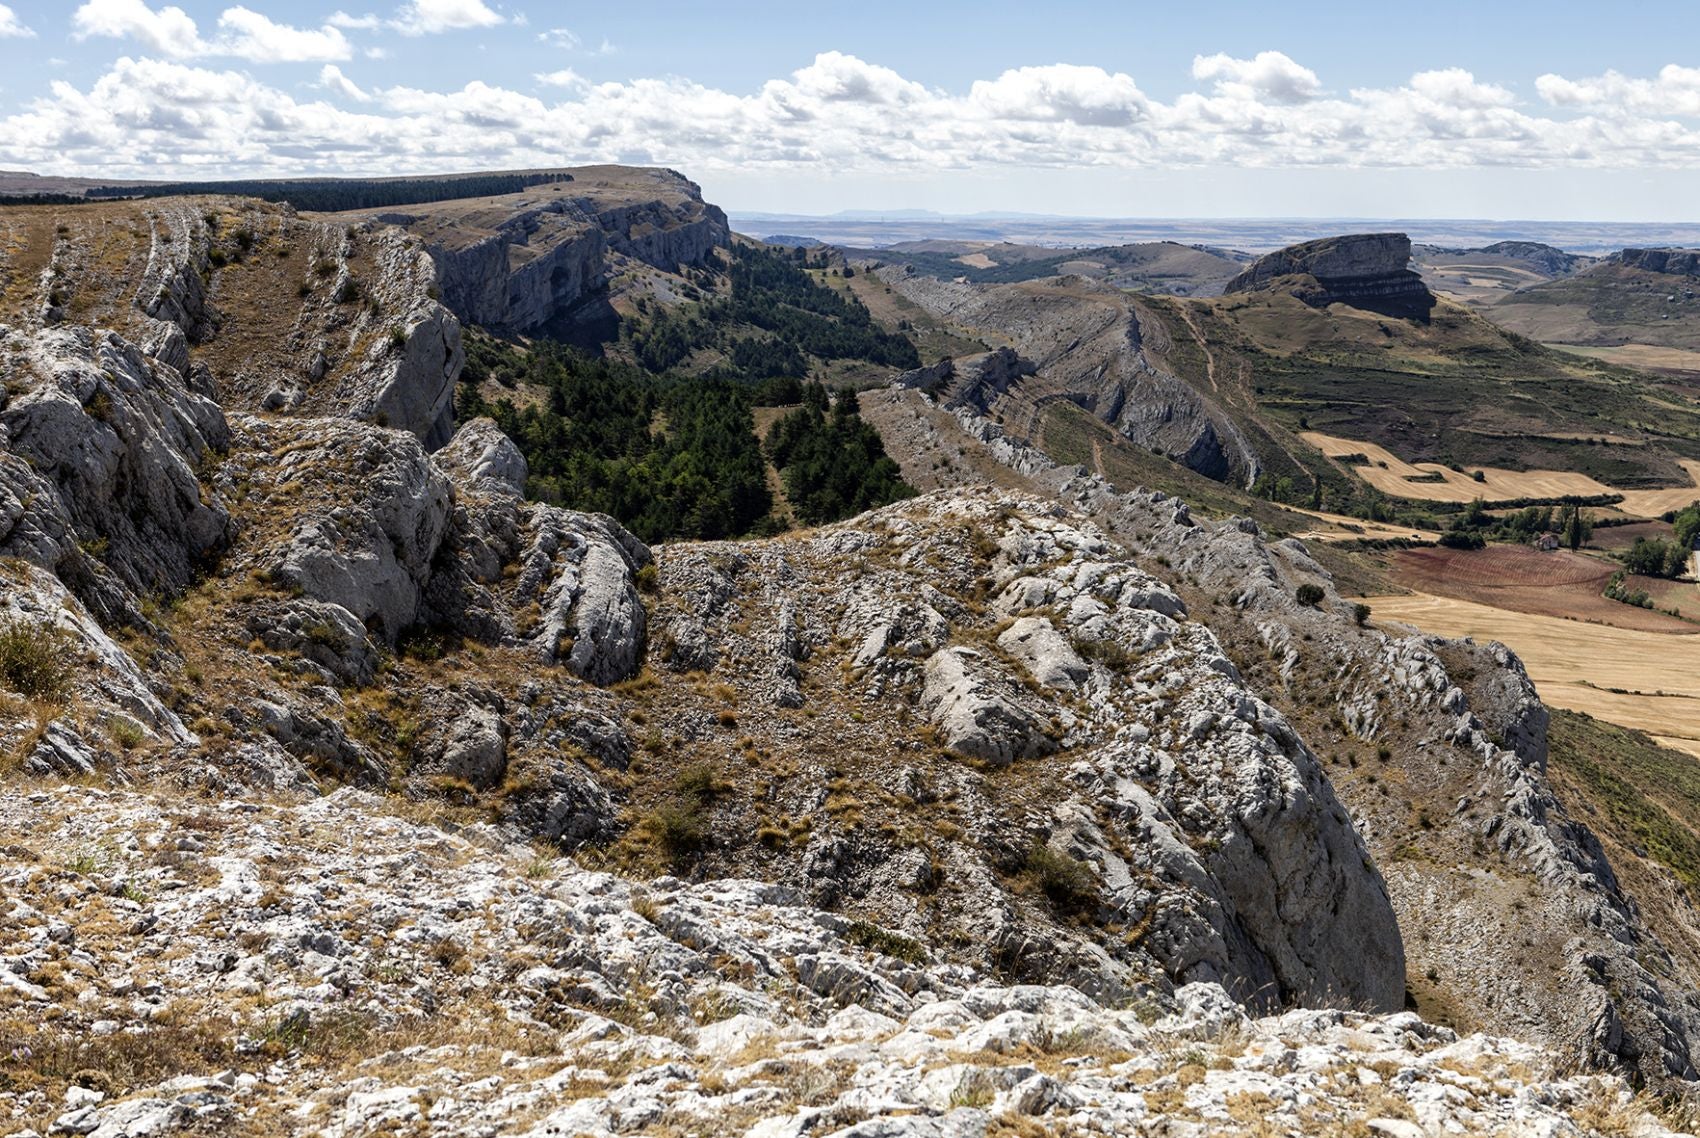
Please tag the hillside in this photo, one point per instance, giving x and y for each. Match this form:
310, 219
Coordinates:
1638, 308
338, 722
1158, 266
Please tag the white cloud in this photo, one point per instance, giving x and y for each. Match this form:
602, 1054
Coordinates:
170, 117
559, 37
1267, 75
170, 30
425, 17
366, 23
1674, 91
244, 33
11, 27
252, 36
331, 78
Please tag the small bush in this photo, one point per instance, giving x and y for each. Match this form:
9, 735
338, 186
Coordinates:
35, 659
648, 579
1360, 614
1067, 882
678, 827
1309, 594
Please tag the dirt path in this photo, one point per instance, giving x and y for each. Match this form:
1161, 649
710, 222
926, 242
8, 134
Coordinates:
1645, 680
1203, 346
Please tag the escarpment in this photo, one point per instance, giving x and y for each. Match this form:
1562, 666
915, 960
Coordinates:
1363, 270
1678, 262
521, 262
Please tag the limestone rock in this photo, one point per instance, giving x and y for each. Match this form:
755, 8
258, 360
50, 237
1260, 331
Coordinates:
1044, 652
975, 717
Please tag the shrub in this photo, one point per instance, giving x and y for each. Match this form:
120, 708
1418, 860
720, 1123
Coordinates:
35, 659
1067, 882
1360, 614
678, 827
1309, 594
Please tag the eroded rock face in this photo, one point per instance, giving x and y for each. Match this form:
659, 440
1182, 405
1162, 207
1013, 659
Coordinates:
119, 437
1684, 262
1364, 270
375, 513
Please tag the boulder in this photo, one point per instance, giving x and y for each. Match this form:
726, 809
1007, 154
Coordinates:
1044, 652
977, 716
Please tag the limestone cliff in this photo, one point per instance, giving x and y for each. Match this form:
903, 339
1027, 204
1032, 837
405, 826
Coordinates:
1681, 262
522, 261
1364, 270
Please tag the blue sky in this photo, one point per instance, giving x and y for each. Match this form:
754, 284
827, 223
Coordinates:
1550, 110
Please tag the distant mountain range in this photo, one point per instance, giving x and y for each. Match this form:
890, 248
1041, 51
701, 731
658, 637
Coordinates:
874, 228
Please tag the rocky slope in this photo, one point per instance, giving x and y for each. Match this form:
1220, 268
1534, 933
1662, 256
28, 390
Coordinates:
1094, 346
1512, 913
1363, 270
523, 262
277, 312
320, 967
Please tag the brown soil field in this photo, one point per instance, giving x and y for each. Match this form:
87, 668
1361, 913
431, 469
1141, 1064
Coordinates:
1522, 580
1614, 538
1391, 474
1646, 680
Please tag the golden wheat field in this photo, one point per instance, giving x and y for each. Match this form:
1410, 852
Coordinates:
1645, 680
1391, 474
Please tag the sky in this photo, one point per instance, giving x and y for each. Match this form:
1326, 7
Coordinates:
1493, 109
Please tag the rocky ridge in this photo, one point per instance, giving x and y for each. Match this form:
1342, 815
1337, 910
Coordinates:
324, 968
1091, 345
1495, 839
249, 303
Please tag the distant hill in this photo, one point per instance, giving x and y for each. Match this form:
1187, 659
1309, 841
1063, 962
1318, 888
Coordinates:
1640, 297
1154, 267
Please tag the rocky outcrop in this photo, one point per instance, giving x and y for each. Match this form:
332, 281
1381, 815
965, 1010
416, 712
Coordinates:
561, 1001
1363, 270
1678, 262
525, 261
1547, 259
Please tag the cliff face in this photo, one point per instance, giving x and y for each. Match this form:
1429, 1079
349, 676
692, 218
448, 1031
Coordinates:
1684, 262
1364, 270
518, 262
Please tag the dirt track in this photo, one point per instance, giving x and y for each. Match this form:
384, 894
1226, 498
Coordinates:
1575, 665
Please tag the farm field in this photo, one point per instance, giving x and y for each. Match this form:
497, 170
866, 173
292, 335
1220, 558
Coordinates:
1429, 481
1635, 678
1523, 580
1649, 356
